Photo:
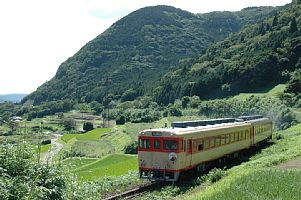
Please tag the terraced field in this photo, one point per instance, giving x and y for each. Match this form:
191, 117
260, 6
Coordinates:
95, 134
112, 165
268, 92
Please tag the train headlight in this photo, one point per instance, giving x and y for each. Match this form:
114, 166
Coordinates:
172, 156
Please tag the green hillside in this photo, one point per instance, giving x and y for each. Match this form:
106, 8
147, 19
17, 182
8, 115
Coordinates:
259, 56
130, 57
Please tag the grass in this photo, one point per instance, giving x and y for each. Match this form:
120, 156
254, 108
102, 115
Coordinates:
95, 149
257, 179
45, 148
268, 92
90, 135
257, 184
112, 165
75, 163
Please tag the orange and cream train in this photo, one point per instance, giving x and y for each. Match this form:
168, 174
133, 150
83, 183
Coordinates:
165, 153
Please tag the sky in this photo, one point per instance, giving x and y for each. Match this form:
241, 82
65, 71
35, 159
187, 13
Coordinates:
36, 36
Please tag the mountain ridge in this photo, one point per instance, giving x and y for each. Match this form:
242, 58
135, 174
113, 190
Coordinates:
136, 51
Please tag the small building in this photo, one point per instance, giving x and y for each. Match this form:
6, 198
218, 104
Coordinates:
17, 118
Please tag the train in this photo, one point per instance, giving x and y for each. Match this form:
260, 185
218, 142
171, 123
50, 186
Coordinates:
166, 153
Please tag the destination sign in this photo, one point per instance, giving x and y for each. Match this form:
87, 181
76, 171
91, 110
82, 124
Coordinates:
156, 134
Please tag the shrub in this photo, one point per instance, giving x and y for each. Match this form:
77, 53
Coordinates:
22, 177
120, 120
131, 148
213, 176
88, 126
44, 142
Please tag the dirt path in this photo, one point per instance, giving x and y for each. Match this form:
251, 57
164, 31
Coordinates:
55, 148
292, 164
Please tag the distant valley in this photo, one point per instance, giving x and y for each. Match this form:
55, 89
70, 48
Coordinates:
15, 98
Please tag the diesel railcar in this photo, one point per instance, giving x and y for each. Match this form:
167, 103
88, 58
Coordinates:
165, 153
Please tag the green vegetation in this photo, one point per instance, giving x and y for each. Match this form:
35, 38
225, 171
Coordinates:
45, 148
258, 56
274, 92
91, 135
23, 177
257, 184
112, 165
74, 163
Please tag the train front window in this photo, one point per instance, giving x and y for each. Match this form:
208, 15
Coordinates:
157, 144
144, 143
170, 145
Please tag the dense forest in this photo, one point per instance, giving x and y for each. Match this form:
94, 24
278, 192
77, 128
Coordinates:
131, 57
260, 55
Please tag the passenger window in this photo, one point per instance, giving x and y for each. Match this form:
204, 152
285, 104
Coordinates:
206, 143
194, 145
188, 146
232, 138
200, 145
247, 135
144, 143
227, 138
157, 144
223, 140
212, 142
237, 136
217, 141
170, 145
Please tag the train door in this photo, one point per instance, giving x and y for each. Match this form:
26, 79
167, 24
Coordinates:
252, 136
188, 152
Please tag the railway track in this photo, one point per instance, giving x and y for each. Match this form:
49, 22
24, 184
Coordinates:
136, 192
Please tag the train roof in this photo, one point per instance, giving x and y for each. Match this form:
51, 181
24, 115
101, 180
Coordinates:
247, 120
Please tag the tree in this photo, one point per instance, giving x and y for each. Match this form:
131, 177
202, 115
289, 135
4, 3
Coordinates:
293, 26
120, 119
129, 95
294, 84
88, 126
69, 124
131, 148
96, 107
185, 101
275, 21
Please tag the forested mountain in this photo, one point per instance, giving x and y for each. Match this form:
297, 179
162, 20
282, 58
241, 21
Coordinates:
130, 58
260, 55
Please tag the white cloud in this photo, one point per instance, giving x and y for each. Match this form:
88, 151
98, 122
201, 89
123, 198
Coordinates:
38, 35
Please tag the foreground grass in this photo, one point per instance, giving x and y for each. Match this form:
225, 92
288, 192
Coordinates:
256, 184
112, 165
257, 179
